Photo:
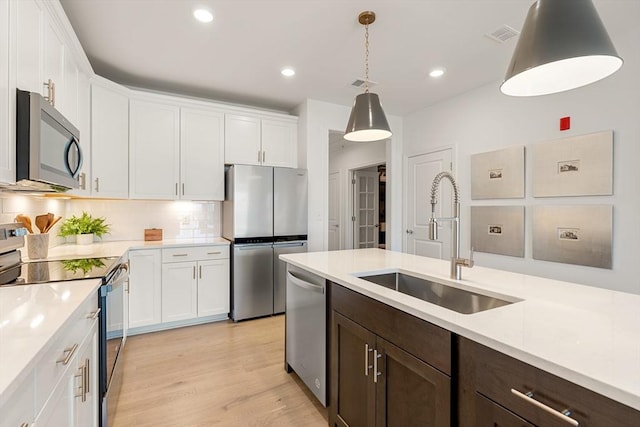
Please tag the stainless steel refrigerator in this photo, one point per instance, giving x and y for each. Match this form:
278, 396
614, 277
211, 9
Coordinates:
264, 215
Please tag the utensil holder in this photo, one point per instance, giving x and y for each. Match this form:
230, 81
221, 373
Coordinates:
37, 245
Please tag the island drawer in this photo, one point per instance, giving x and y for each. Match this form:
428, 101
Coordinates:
60, 354
533, 394
424, 340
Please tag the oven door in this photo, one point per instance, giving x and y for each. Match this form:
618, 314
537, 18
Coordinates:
112, 304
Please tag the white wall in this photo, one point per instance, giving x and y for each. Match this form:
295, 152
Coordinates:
484, 120
316, 119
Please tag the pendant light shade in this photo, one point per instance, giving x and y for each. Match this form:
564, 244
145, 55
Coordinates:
563, 45
367, 122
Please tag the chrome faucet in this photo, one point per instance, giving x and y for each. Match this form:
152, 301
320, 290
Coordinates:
456, 262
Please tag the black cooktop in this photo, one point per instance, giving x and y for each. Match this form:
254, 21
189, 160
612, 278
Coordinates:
57, 271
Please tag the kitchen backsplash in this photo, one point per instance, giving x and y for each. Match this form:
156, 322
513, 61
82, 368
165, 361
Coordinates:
128, 218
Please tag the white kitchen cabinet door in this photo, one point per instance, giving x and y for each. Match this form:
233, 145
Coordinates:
18, 409
242, 140
201, 154
54, 65
279, 143
83, 123
154, 150
29, 45
109, 141
179, 291
145, 288
67, 95
7, 98
213, 287
86, 408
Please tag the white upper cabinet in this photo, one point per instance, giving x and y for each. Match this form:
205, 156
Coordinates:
29, 50
176, 150
7, 97
201, 154
254, 140
83, 123
279, 143
109, 140
154, 150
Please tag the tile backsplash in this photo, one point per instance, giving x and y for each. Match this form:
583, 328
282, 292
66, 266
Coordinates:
128, 218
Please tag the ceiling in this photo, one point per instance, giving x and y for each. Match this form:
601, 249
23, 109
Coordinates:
158, 45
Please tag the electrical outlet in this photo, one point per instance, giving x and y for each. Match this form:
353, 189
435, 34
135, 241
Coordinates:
186, 220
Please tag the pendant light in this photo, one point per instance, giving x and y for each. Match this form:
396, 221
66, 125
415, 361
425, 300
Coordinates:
563, 45
367, 121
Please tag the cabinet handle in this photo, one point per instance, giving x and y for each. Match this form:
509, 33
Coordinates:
564, 415
194, 271
51, 94
24, 425
259, 155
87, 378
376, 356
69, 354
94, 315
97, 185
367, 350
176, 188
80, 391
183, 188
179, 254
214, 253
200, 272
82, 181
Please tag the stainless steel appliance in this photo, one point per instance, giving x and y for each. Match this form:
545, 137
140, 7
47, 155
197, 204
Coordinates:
306, 330
48, 154
111, 301
264, 214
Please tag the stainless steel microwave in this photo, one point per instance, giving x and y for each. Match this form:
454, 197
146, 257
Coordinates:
48, 153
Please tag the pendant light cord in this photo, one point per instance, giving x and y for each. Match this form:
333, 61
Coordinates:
366, 58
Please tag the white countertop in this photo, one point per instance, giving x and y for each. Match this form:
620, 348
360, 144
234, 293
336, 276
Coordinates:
587, 335
31, 315
117, 248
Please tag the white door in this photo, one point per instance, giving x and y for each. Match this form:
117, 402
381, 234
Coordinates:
334, 212
179, 291
421, 170
213, 287
279, 143
366, 209
145, 288
242, 140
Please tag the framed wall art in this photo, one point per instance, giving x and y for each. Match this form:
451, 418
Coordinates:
498, 230
576, 166
579, 234
498, 174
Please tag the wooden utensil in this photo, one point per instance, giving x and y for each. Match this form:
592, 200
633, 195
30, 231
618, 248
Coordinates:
41, 222
26, 222
52, 223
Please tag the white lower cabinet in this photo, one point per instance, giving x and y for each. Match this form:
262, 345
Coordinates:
145, 291
178, 286
62, 387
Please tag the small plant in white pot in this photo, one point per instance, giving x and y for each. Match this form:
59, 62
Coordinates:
84, 228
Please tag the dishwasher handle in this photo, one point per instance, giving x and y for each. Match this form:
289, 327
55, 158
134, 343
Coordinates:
304, 284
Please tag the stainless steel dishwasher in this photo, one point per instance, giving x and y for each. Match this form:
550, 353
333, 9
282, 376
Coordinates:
306, 329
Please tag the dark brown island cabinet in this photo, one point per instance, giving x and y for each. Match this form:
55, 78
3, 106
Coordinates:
389, 368
380, 373
496, 390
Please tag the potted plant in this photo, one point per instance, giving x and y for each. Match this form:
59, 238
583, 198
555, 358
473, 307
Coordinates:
84, 228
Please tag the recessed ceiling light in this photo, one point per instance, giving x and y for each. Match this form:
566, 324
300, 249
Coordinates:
203, 15
437, 72
288, 72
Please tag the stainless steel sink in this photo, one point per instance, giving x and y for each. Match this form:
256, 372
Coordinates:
456, 299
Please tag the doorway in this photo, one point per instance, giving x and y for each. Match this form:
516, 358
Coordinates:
368, 218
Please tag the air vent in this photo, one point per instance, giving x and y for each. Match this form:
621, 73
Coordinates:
502, 34
359, 83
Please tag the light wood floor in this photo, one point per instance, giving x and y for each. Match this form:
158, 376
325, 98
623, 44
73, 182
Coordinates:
224, 373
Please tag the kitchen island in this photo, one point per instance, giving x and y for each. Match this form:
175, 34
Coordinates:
585, 335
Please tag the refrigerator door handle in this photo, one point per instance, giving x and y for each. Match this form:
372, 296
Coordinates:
288, 245
251, 246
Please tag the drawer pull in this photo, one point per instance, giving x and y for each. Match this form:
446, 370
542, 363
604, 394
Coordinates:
376, 374
564, 415
180, 255
94, 315
214, 253
69, 354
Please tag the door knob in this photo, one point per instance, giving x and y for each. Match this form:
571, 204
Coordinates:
409, 231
